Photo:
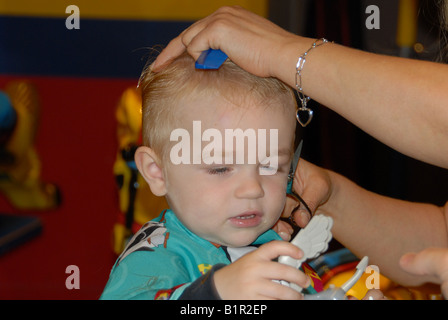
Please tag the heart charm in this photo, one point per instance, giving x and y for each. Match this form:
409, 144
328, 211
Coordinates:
304, 116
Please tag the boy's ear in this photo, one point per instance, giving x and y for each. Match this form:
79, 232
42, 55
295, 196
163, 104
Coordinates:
147, 163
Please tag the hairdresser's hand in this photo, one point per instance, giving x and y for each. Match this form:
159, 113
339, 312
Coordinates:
313, 184
252, 42
250, 277
431, 262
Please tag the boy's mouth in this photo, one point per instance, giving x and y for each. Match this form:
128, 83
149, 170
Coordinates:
246, 220
246, 216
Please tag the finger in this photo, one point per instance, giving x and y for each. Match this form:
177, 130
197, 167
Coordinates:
276, 248
290, 205
301, 216
284, 230
174, 49
312, 194
313, 185
429, 262
178, 45
222, 30
285, 236
206, 38
278, 271
274, 290
374, 294
297, 211
193, 39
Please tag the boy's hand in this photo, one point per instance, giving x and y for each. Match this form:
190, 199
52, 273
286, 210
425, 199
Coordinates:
283, 229
250, 277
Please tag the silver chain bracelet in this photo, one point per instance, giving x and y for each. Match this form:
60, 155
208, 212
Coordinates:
304, 114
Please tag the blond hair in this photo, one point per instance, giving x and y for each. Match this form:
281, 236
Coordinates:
164, 91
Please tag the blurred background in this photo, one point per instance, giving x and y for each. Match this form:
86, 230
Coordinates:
69, 122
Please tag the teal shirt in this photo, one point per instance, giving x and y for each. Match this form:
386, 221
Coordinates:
163, 258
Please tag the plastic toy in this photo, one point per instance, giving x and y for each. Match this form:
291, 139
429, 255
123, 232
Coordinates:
336, 267
137, 204
313, 240
20, 165
335, 293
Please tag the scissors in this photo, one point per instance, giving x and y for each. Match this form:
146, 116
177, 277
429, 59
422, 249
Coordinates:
289, 188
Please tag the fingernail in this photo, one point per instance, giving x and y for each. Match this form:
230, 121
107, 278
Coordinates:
304, 213
406, 259
304, 216
285, 236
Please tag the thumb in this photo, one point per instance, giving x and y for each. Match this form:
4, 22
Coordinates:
429, 262
313, 185
312, 196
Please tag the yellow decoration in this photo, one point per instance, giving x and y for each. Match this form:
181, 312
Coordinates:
143, 205
407, 23
389, 288
20, 179
204, 268
130, 9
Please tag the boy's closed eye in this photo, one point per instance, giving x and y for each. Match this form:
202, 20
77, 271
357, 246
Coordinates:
275, 166
263, 170
219, 170
268, 169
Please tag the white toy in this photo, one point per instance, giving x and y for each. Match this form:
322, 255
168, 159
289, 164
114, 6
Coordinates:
312, 240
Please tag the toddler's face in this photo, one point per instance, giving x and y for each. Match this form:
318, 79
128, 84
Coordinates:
229, 191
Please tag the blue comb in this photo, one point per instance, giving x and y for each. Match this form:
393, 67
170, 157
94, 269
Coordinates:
211, 59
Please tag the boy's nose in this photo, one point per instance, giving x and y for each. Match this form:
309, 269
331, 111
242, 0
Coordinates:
250, 187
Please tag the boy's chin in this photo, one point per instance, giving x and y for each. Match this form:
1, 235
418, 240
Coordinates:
238, 242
